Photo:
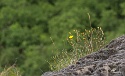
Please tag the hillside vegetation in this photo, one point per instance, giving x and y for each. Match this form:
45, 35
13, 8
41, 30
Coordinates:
28, 29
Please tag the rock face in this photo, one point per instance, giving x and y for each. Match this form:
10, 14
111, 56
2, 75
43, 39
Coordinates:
108, 61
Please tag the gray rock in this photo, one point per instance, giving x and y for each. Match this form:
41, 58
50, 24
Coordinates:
108, 61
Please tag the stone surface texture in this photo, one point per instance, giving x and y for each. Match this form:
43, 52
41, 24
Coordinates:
108, 61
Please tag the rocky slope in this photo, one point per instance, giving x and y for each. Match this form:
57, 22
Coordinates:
108, 61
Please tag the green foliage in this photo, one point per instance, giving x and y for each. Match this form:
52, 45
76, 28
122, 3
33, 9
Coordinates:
27, 25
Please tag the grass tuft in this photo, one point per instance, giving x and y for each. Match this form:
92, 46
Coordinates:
82, 43
11, 71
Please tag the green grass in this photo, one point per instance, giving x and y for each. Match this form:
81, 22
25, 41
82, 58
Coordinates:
11, 71
82, 43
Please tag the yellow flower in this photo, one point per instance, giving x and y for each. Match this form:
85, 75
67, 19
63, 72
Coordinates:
70, 37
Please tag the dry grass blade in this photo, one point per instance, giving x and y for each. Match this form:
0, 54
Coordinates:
11, 71
82, 44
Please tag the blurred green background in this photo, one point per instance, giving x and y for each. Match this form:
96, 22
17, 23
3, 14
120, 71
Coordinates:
27, 25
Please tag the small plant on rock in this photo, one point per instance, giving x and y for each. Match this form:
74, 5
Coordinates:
82, 43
